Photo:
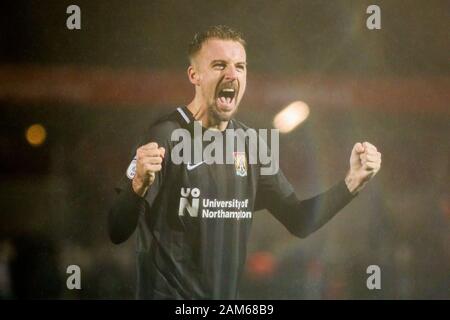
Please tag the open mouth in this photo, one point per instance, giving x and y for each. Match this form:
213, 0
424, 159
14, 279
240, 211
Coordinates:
226, 97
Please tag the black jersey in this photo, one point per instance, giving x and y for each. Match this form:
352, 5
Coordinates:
194, 221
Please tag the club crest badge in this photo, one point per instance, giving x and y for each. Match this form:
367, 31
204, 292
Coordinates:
240, 163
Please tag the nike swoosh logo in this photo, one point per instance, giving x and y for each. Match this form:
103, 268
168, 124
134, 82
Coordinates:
193, 166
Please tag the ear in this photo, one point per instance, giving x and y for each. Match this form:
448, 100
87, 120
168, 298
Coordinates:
193, 75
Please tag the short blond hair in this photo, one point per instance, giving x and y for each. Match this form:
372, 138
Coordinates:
214, 32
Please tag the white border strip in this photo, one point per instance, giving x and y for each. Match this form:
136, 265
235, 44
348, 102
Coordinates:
183, 114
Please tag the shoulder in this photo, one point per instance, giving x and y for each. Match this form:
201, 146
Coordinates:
169, 122
263, 137
161, 130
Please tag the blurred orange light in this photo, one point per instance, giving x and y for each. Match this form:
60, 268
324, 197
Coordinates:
261, 264
36, 134
291, 116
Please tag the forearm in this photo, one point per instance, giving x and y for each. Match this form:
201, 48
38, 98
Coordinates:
124, 215
304, 217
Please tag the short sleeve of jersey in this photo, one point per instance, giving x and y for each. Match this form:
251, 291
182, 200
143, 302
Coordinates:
159, 133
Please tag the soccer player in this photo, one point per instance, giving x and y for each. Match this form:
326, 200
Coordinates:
193, 219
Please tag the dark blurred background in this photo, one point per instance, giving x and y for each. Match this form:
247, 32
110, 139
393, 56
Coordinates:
74, 102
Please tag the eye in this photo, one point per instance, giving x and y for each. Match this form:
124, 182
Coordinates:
219, 66
240, 67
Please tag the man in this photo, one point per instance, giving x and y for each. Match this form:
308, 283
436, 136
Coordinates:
193, 219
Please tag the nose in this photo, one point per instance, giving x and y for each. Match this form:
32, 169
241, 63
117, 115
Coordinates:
231, 73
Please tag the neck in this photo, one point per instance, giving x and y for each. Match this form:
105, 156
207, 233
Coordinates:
200, 112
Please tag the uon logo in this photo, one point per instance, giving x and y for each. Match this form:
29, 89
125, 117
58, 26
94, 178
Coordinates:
192, 207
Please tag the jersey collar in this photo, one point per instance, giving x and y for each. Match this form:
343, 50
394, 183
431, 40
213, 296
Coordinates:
187, 115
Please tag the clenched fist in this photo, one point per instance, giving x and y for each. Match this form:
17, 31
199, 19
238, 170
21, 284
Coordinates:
149, 159
365, 162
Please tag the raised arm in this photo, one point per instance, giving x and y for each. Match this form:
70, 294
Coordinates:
130, 203
303, 217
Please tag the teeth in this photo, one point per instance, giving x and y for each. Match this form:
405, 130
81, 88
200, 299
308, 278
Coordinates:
228, 90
